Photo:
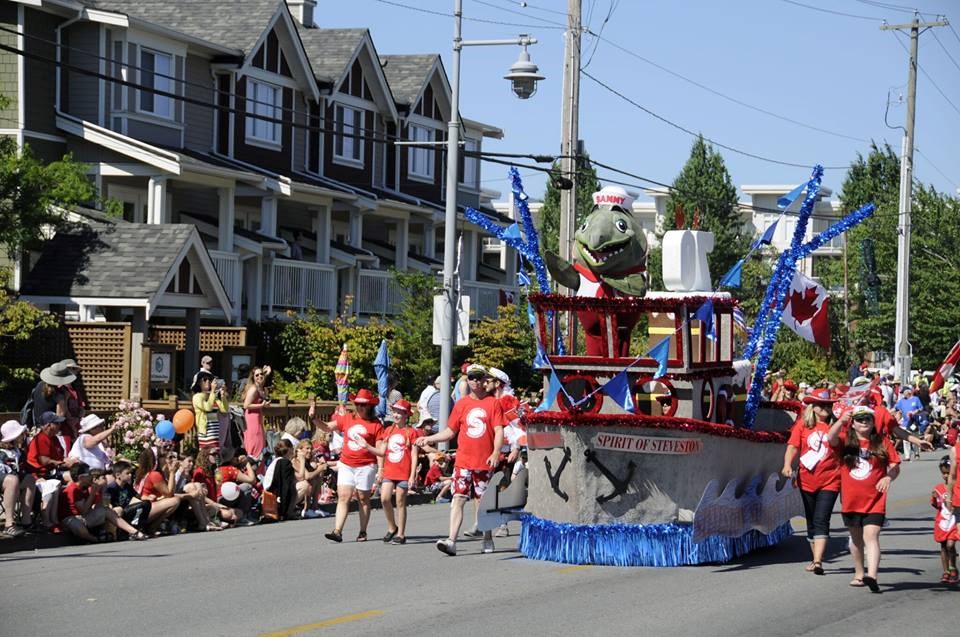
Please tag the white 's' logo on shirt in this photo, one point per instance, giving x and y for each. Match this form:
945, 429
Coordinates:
354, 432
476, 422
816, 440
862, 470
395, 447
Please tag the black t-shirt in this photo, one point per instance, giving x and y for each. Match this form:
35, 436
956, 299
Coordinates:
120, 496
41, 403
923, 393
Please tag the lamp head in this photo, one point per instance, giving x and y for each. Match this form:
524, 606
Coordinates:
523, 76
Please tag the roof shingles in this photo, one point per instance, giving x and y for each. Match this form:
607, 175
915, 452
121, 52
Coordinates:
406, 75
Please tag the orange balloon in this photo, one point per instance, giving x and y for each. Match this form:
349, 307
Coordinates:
183, 421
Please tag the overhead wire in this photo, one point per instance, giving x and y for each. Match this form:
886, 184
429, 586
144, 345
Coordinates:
596, 42
469, 18
927, 75
520, 13
841, 13
934, 34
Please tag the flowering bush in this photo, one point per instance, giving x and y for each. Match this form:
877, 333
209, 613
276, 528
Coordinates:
133, 430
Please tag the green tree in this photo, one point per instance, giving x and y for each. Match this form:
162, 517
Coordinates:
704, 188
507, 343
414, 357
548, 217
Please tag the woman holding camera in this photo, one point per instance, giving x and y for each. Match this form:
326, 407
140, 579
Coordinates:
208, 404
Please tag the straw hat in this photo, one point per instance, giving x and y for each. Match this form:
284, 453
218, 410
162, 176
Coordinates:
89, 422
57, 375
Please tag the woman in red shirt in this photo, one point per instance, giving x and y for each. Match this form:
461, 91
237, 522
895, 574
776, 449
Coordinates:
397, 456
869, 464
153, 487
818, 474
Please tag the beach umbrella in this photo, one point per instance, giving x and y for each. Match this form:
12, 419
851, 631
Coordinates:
341, 375
381, 365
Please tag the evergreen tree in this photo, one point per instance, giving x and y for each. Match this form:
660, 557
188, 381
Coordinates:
704, 189
548, 217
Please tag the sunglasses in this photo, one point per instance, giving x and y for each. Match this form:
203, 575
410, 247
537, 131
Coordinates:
863, 419
475, 376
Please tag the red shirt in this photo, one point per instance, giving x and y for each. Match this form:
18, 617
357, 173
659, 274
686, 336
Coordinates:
941, 534
200, 476
858, 486
398, 456
433, 475
883, 420
956, 485
73, 495
42, 445
475, 440
151, 482
825, 475
353, 454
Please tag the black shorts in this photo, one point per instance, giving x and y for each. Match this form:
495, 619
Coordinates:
860, 520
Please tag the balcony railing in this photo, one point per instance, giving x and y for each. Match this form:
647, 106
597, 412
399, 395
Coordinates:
377, 293
298, 285
485, 298
230, 269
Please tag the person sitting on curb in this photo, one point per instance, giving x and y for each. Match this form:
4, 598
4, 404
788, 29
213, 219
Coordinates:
82, 509
18, 486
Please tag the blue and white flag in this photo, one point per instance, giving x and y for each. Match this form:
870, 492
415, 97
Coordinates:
732, 278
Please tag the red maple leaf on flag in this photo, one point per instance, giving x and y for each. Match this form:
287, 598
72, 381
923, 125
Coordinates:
803, 306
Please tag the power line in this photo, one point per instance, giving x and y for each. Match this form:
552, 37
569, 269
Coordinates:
841, 13
927, 75
935, 167
527, 5
893, 7
934, 34
724, 96
596, 41
520, 13
471, 19
954, 31
693, 134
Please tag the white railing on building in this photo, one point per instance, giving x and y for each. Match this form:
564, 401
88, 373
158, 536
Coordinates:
299, 285
230, 269
485, 298
377, 293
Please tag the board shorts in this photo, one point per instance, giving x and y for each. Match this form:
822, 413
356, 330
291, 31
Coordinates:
470, 483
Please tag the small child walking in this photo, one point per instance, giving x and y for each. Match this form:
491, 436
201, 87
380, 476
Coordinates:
945, 526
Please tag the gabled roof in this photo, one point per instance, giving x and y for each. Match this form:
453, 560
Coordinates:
407, 75
114, 263
330, 50
211, 20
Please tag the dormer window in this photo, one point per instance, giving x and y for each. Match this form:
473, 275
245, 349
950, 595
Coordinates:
421, 159
264, 100
156, 72
348, 134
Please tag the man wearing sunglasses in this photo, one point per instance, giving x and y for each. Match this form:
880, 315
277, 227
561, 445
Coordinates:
477, 421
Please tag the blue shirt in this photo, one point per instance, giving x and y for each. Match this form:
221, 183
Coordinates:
907, 405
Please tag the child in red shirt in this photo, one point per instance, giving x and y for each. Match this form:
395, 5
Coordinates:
397, 457
82, 508
945, 526
869, 464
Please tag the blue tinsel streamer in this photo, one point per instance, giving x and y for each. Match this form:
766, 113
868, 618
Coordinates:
669, 544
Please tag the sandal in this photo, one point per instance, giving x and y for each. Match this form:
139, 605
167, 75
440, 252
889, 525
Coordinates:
362, 536
388, 536
945, 578
139, 536
398, 540
214, 527
871, 583
954, 578
856, 582
334, 536
809, 567
14, 531
818, 568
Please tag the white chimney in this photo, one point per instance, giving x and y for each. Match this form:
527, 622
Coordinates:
302, 11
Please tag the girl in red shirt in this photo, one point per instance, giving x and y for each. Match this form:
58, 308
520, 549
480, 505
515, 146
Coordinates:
397, 456
945, 531
869, 464
153, 487
818, 473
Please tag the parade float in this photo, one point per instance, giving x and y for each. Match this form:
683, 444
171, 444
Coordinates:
653, 451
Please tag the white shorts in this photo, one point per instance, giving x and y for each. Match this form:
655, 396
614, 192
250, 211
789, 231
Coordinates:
361, 478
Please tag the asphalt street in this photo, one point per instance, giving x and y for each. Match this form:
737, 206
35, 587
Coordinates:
286, 579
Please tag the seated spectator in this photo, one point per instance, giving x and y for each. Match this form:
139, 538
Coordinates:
82, 509
321, 445
88, 447
241, 470
155, 488
18, 486
293, 431
121, 497
205, 474
281, 481
45, 453
309, 474
193, 501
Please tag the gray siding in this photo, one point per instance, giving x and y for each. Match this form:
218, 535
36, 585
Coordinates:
300, 134
198, 119
46, 150
8, 65
83, 90
41, 89
90, 153
153, 133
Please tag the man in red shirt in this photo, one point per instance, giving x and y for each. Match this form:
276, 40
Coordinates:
477, 421
45, 453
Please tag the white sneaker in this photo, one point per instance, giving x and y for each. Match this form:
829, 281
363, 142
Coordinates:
486, 546
311, 514
447, 546
502, 531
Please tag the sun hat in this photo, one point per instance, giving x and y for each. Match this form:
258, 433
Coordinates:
69, 363
229, 491
57, 375
48, 417
366, 397
89, 422
10, 430
403, 406
819, 396
425, 417
500, 375
859, 381
199, 376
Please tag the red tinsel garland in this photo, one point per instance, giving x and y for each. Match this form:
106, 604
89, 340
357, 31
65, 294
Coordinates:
593, 362
787, 405
626, 303
641, 421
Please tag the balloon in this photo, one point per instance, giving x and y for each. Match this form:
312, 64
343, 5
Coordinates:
183, 421
165, 430
229, 491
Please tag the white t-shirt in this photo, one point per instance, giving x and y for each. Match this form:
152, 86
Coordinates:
95, 457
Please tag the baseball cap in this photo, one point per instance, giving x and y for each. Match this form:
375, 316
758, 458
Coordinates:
48, 417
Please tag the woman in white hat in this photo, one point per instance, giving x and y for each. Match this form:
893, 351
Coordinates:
89, 446
18, 486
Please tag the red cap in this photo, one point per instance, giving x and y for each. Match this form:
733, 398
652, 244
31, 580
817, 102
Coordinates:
366, 397
402, 406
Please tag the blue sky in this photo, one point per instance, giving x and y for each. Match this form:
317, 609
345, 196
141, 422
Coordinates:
824, 70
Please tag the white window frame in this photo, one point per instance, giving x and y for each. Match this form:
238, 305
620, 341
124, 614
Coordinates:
133, 196
348, 149
471, 165
420, 159
159, 83
260, 132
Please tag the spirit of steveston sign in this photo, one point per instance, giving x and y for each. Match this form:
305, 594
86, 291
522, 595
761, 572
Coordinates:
647, 444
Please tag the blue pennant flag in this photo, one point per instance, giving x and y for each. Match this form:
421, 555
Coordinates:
522, 278
540, 361
618, 388
732, 278
381, 366
784, 202
704, 314
551, 396
659, 353
512, 232
767, 237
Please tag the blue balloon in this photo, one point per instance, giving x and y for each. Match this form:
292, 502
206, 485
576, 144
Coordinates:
165, 430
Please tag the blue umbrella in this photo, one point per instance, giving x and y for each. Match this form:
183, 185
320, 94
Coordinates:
381, 365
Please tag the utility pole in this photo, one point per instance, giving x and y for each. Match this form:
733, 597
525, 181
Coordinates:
569, 133
903, 351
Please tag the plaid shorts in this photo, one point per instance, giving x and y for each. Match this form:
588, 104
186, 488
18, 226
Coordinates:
470, 483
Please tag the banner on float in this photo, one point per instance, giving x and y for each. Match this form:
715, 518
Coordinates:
647, 444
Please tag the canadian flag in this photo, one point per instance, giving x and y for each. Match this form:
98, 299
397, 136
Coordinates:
806, 310
946, 368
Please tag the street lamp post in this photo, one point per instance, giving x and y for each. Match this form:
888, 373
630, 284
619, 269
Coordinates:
523, 79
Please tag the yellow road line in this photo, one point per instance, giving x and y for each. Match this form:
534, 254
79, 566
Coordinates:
343, 619
571, 569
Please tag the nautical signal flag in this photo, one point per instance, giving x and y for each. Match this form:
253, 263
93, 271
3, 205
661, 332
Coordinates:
704, 314
946, 368
618, 388
553, 388
806, 309
732, 278
659, 353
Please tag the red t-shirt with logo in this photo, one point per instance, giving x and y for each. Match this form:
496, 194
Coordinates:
858, 486
825, 475
474, 422
398, 456
73, 495
350, 425
151, 484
